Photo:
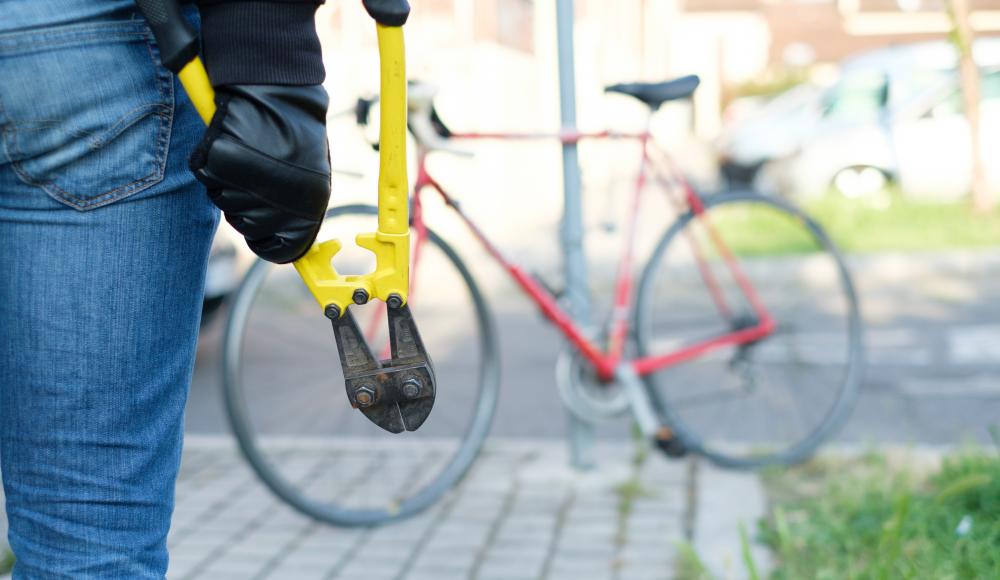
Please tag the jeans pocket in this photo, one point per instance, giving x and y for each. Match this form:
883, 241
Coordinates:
86, 110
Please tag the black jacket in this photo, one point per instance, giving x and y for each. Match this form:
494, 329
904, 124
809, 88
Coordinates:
261, 42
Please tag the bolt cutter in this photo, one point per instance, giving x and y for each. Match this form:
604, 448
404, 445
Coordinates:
395, 394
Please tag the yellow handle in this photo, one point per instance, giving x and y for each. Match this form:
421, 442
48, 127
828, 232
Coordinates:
199, 89
391, 243
393, 189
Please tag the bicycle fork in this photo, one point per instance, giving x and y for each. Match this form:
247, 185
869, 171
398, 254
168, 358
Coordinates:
396, 394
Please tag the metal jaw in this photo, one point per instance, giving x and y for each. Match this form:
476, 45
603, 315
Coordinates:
395, 394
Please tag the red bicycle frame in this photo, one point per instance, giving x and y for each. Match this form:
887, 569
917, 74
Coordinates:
605, 362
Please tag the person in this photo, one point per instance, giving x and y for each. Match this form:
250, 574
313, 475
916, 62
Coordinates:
104, 238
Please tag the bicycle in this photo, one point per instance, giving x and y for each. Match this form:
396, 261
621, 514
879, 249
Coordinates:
710, 258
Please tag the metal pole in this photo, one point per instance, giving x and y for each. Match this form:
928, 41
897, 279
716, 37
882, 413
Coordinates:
575, 265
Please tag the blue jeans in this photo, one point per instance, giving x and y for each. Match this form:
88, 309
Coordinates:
104, 240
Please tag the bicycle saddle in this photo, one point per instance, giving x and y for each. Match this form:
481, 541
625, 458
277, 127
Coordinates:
655, 94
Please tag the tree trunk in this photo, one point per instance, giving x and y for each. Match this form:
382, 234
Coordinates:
962, 36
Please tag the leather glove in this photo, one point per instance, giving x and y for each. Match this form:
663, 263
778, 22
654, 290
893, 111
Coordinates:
266, 164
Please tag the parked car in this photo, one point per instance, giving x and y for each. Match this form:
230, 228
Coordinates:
922, 145
885, 119
772, 130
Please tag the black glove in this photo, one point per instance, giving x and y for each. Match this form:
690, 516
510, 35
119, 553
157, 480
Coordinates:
266, 164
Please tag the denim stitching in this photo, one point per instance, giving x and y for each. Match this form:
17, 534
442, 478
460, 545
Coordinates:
163, 132
120, 192
18, 42
126, 121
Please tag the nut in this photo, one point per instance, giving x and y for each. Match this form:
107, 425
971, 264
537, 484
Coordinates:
412, 388
360, 296
364, 396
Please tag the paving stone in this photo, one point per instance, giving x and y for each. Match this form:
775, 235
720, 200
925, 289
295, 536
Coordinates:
606, 550
529, 551
434, 575
506, 576
294, 573
574, 575
446, 561
440, 569
220, 575
312, 559
234, 566
181, 569
665, 572
582, 565
371, 570
519, 512
511, 569
457, 542
384, 554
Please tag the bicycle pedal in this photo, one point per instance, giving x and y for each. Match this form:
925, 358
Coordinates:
670, 444
396, 394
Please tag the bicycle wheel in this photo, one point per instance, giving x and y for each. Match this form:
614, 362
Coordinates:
775, 400
286, 400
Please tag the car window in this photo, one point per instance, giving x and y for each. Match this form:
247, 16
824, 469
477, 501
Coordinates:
915, 82
859, 97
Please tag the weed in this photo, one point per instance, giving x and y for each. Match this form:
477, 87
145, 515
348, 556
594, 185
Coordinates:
868, 521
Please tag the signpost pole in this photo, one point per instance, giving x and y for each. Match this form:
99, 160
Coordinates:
575, 265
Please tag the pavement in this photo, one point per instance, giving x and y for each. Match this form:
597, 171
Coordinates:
933, 336
522, 513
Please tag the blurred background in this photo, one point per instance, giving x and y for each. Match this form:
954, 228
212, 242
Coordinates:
881, 118
852, 109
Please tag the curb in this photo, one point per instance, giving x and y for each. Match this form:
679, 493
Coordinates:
723, 500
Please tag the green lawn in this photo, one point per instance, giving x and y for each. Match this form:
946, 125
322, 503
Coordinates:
863, 519
901, 225
888, 224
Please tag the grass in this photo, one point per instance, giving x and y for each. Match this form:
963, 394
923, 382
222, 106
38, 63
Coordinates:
903, 225
864, 519
690, 566
632, 489
7, 562
884, 223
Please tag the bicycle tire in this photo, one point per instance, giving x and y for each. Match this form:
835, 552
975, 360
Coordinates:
848, 390
453, 472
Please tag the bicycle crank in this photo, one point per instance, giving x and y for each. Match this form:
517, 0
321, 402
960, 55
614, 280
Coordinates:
395, 394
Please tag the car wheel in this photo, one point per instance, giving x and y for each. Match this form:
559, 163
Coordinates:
860, 181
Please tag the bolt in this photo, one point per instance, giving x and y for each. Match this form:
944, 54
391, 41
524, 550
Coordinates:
364, 395
395, 301
332, 311
360, 296
412, 388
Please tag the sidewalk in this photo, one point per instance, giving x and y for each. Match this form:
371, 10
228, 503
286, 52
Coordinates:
521, 514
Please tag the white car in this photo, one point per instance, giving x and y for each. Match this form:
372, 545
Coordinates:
922, 145
886, 118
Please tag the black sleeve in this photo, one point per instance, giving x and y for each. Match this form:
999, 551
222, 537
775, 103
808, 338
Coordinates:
261, 42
